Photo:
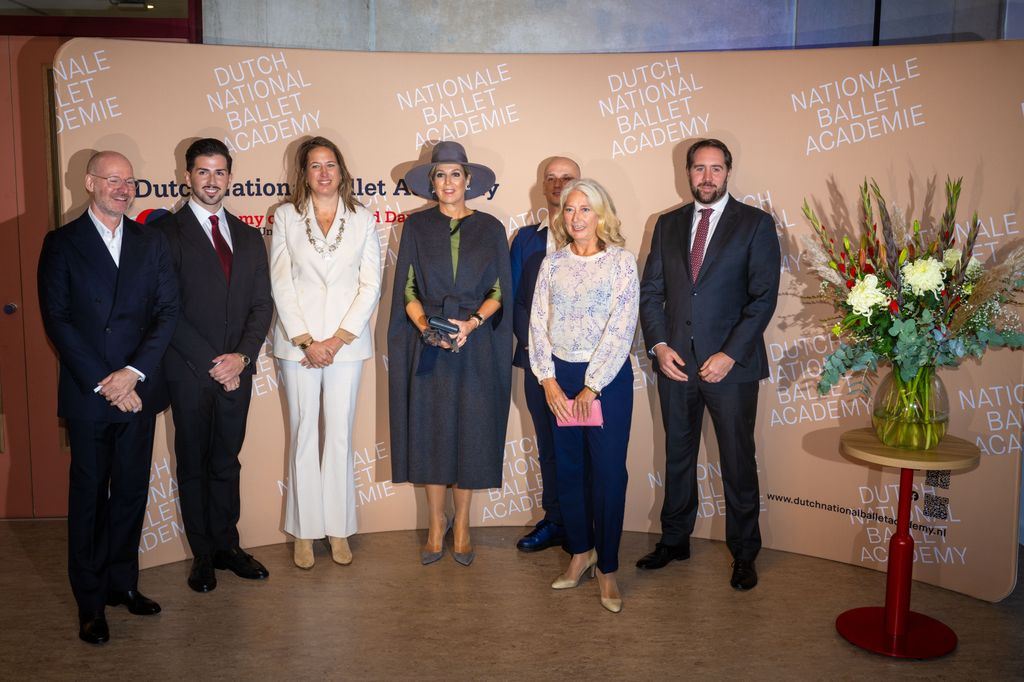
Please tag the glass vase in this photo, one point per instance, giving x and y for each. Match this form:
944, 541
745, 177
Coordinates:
911, 414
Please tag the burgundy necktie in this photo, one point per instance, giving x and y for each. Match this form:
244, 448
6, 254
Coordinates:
223, 250
697, 250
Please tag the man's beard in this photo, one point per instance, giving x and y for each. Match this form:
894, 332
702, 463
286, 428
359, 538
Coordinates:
715, 194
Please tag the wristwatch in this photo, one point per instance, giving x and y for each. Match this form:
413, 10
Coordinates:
303, 346
245, 359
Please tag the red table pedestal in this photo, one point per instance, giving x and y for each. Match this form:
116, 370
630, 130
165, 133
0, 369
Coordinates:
894, 630
924, 637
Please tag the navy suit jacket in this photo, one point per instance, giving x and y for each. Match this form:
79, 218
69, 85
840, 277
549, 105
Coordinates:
527, 252
729, 306
215, 318
101, 317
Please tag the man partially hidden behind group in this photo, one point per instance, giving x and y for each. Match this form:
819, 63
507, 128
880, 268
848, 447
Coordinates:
708, 292
531, 244
109, 301
226, 308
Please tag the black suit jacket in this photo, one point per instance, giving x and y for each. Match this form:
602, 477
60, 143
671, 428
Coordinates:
101, 317
729, 306
215, 318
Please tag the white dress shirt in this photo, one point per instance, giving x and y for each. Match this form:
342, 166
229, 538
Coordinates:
551, 246
111, 238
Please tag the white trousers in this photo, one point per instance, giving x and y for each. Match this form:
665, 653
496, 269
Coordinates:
321, 491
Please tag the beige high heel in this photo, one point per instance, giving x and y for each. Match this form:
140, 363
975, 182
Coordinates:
613, 604
303, 554
564, 582
340, 551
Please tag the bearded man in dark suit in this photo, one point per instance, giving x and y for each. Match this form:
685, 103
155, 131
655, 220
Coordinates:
708, 292
226, 308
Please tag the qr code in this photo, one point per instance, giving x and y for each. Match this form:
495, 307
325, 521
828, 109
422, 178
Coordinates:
938, 479
936, 506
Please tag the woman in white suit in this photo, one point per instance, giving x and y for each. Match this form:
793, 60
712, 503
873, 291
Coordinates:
325, 273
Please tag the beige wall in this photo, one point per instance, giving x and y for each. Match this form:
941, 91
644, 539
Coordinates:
930, 111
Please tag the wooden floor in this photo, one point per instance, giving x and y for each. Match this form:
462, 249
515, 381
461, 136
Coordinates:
386, 617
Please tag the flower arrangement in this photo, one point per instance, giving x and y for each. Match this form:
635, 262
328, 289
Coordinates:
912, 297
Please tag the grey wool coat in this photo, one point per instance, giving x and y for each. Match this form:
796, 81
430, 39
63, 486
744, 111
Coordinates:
449, 411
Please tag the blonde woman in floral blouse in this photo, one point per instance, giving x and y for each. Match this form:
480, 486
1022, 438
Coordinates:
581, 330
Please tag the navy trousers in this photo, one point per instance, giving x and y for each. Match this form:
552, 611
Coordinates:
594, 519
544, 439
109, 487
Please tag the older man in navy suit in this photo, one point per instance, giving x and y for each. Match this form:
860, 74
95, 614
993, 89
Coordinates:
708, 292
531, 244
109, 301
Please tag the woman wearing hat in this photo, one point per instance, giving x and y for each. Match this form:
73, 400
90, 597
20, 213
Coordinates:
449, 393
325, 273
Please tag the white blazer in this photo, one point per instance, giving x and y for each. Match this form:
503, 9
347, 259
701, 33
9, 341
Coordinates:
315, 294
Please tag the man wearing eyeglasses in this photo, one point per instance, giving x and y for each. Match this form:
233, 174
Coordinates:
109, 300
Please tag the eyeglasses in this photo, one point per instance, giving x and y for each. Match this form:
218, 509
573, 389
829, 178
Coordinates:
115, 181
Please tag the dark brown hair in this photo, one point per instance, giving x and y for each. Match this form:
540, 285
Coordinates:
710, 142
300, 190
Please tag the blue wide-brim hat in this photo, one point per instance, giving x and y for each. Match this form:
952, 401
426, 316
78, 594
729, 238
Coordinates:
481, 180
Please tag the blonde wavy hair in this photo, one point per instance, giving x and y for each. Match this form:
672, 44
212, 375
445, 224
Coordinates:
608, 222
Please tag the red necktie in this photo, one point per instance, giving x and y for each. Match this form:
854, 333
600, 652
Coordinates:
697, 250
223, 250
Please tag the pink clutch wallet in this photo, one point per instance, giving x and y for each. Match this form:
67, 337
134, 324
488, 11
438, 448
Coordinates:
595, 419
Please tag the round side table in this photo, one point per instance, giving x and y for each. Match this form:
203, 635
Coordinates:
893, 629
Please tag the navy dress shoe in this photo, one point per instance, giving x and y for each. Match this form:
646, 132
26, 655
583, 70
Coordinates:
545, 534
137, 603
240, 563
92, 628
663, 554
744, 577
202, 577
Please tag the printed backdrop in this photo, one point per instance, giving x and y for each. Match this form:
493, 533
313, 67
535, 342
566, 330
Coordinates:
802, 124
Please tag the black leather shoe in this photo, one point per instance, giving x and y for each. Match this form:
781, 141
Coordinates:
202, 577
137, 603
240, 563
744, 577
663, 554
545, 534
92, 628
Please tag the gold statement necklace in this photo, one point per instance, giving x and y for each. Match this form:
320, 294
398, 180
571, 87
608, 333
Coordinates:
325, 252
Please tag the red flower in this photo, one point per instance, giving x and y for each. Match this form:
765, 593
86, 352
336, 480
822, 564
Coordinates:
894, 307
842, 268
850, 283
868, 269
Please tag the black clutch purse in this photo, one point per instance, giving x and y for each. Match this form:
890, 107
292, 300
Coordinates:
442, 325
